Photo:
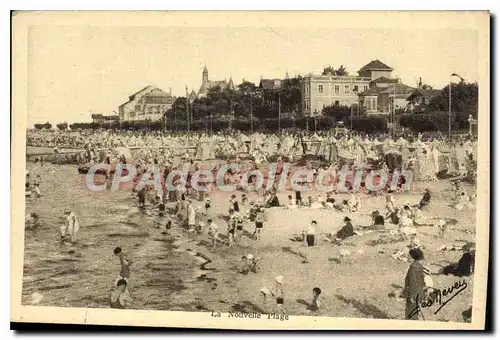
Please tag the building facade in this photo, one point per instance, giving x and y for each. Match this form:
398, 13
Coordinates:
207, 84
319, 91
385, 97
149, 103
420, 98
385, 94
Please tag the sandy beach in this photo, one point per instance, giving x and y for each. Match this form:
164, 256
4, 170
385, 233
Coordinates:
183, 272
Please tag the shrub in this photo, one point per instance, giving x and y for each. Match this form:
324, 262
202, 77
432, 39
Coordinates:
369, 124
434, 121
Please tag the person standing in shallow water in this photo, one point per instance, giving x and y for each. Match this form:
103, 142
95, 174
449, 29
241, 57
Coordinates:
72, 225
317, 301
124, 263
118, 298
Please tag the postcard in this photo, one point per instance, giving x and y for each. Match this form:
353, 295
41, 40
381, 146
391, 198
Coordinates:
251, 170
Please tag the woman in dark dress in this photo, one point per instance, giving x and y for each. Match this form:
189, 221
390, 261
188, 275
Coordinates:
347, 230
415, 284
464, 266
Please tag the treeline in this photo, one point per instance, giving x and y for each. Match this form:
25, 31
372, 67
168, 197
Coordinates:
247, 100
435, 121
223, 109
363, 124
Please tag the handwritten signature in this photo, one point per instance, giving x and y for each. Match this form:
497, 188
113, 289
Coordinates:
435, 298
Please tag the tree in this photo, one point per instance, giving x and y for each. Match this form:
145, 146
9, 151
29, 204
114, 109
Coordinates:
426, 87
47, 126
339, 113
341, 71
246, 86
38, 126
330, 70
62, 126
464, 98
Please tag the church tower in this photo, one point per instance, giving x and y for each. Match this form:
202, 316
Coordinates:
205, 75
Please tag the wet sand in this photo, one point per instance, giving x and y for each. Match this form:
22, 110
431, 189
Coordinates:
183, 272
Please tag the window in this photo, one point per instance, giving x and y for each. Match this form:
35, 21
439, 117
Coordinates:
307, 89
347, 89
337, 89
355, 90
365, 87
320, 88
337, 102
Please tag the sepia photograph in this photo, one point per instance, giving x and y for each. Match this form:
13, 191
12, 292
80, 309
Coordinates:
251, 170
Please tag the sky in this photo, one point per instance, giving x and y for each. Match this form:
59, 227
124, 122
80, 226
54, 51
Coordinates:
74, 71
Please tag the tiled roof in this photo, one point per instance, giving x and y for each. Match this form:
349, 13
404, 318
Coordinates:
372, 92
131, 97
375, 65
384, 80
400, 89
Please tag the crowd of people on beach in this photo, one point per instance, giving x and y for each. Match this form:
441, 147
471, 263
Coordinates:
190, 210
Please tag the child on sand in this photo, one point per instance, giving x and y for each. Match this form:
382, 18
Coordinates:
72, 225
36, 186
213, 232
199, 227
317, 301
291, 203
208, 205
233, 204
259, 224
279, 294
141, 195
231, 229
191, 215
463, 202
311, 234
389, 204
32, 220
239, 229
168, 228
119, 298
124, 263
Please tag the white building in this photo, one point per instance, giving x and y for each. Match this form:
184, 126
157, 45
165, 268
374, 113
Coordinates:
319, 91
150, 103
